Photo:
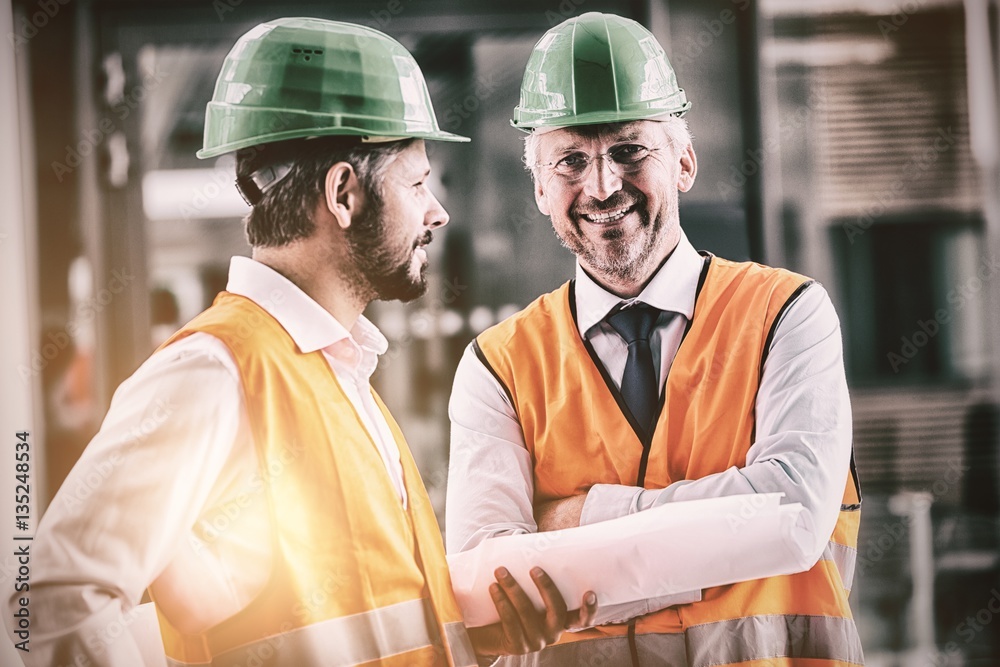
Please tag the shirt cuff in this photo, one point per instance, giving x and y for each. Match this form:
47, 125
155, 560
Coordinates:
610, 501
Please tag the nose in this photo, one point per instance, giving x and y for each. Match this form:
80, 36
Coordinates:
601, 181
436, 215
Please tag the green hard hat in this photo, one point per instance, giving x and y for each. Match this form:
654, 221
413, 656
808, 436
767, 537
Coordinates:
597, 68
305, 77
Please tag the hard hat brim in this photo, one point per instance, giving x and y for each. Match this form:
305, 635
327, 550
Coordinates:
596, 118
439, 135
215, 151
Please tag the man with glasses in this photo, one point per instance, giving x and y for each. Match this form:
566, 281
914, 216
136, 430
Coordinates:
658, 374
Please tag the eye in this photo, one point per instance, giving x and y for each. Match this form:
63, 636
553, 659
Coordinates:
628, 153
572, 161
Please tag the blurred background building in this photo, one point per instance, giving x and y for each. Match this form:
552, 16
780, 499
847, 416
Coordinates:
856, 141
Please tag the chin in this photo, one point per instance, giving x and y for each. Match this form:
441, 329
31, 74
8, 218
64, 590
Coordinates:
412, 291
403, 286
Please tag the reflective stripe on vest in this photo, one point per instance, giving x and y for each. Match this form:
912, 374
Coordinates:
460, 645
654, 650
845, 558
722, 643
777, 636
350, 640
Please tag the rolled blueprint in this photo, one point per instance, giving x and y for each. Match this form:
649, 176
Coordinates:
673, 548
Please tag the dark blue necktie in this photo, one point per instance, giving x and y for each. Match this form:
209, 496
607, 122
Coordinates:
640, 387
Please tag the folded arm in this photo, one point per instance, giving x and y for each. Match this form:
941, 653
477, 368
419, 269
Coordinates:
803, 420
490, 479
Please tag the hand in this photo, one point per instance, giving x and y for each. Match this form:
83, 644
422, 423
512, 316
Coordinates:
559, 514
522, 629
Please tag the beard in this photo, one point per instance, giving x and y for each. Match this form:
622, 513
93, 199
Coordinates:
620, 256
380, 271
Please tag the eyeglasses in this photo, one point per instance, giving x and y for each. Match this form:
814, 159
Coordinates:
623, 159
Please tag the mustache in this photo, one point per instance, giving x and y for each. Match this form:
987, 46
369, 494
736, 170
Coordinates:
615, 202
423, 239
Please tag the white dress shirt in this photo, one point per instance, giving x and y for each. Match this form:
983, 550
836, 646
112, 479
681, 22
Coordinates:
803, 422
170, 490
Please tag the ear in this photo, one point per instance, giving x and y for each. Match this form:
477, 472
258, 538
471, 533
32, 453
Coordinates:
342, 193
689, 169
541, 201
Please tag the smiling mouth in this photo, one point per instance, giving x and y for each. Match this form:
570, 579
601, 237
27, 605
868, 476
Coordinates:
608, 217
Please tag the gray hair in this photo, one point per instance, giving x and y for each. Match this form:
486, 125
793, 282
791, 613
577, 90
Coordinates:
676, 130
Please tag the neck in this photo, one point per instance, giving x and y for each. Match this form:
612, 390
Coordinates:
621, 287
317, 277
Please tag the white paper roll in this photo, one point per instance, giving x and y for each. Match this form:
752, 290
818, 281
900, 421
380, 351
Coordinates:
674, 548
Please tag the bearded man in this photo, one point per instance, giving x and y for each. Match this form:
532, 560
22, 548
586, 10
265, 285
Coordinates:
247, 474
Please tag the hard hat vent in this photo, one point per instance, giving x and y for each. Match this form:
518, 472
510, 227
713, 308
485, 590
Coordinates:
306, 53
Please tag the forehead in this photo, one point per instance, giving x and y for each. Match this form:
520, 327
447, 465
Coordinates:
568, 138
410, 161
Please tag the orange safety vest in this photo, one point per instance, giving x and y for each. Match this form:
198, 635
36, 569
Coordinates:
356, 578
578, 433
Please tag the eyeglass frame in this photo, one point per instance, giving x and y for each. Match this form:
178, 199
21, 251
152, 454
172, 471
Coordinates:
614, 165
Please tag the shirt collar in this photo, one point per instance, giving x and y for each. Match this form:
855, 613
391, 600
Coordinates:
310, 325
673, 288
